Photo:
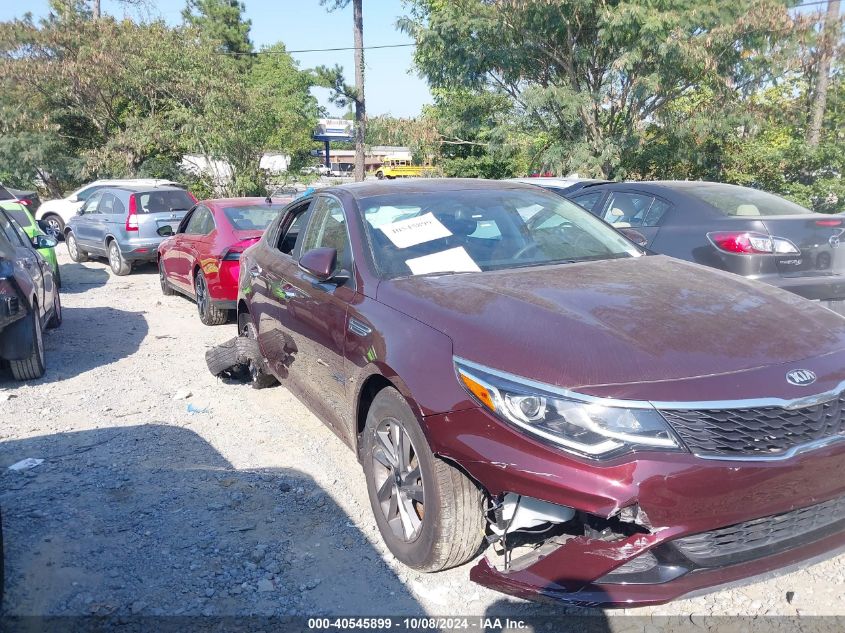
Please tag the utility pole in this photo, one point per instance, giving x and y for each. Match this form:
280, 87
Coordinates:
828, 43
360, 109
95, 9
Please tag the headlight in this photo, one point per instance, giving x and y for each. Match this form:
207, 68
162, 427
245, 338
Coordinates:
586, 428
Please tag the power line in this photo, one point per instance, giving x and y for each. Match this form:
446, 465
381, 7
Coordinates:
318, 50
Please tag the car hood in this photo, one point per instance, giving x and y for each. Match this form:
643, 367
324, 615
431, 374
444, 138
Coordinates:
595, 325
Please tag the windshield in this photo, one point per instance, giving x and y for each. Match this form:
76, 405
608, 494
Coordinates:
252, 218
743, 201
477, 230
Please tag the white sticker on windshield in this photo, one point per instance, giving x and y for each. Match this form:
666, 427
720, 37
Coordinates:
454, 260
413, 231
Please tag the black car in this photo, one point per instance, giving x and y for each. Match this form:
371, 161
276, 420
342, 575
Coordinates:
29, 299
738, 229
29, 199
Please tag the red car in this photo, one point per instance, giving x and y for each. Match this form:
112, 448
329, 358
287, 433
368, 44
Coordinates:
616, 428
201, 259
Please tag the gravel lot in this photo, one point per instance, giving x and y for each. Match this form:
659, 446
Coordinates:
253, 507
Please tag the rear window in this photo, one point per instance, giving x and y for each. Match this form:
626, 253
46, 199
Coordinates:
163, 201
743, 201
252, 218
21, 217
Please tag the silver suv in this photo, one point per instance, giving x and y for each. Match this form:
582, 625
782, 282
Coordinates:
122, 223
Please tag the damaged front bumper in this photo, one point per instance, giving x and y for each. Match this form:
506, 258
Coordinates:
651, 527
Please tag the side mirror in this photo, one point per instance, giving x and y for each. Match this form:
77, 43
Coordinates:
44, 241
319, 262
73, 199
634, 235
165, 231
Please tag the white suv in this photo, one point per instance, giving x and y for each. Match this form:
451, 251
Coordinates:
57, 213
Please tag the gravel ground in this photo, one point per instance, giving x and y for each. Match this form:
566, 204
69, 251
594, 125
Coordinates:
253, 507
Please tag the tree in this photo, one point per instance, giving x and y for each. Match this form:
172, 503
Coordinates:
222, 22
356, 96
829, 41
590, 78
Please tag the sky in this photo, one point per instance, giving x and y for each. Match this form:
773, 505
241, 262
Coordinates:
391, 85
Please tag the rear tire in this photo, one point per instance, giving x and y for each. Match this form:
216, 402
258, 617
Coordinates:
118, 265
209, 314
166, 289
428, 512
55, 225
57, 277
32, 367
76, 253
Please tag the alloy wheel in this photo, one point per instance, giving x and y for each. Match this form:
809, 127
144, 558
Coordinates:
114, 256
398, 479
53, 227
72, 247
202, 294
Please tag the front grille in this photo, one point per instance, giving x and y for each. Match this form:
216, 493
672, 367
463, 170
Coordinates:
759, 431
763, 537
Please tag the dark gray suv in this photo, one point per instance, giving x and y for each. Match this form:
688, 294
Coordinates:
122, 223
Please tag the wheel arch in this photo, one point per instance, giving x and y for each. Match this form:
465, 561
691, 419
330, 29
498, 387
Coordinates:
374, 382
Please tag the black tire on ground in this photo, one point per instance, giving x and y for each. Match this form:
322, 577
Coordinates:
55, 225
260, 376
166, 288
209, 313
380, 175
118, 265
232, 358
58, 276
76, 253
442, 504
33, 366
56, 319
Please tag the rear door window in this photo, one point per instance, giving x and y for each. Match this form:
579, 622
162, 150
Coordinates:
626, 208
5, 195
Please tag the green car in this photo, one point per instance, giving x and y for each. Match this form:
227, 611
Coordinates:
22, 216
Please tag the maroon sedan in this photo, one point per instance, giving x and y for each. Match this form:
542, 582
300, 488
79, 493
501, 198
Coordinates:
201, 259
617, 429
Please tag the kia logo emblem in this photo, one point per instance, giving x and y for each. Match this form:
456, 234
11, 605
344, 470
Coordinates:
800, 377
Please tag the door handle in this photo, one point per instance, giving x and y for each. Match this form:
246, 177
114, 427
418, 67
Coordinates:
255, 270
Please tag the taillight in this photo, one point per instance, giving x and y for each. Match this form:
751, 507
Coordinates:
828, 222
132, 218
750, 243
25, 202
192, 196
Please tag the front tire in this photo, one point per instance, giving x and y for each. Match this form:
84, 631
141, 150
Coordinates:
118, 265
56, 320
428, 512
33, 366
76, 253
209, 314
260, 377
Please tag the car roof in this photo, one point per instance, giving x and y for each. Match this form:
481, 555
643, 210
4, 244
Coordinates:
132, 181
247, 201
547, 181
145, 188
370, 188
